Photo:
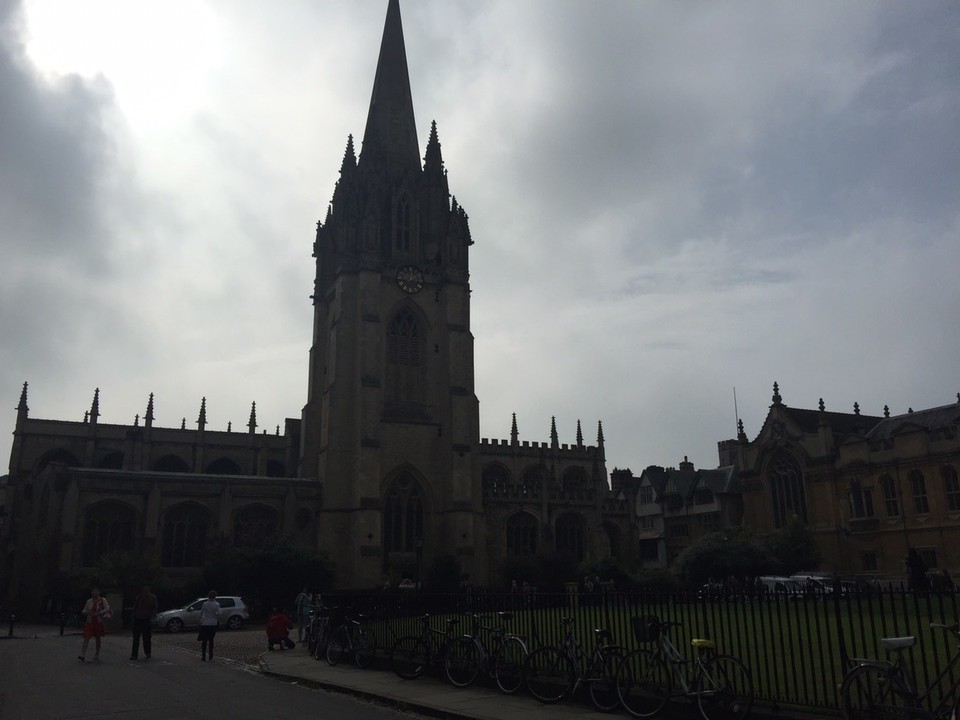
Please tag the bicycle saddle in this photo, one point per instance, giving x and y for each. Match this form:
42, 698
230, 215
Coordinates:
899, 643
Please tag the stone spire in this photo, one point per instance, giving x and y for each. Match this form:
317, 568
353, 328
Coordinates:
252, 423
22, 409
579, 435
514, 435
349, 158
95, 407
433, 159
390, 137
554, 439
148, 417
603, 454
202, 418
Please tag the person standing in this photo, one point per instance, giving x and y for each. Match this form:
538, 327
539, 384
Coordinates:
144, 609
94, 611
302, 608
209, 623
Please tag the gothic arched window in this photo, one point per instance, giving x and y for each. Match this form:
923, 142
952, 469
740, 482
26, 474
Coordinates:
522, 531
574, 479
255, 525
404, 359
184, 536
107, 527
495, 480
403, 516
532, 481
786, 488
569, 535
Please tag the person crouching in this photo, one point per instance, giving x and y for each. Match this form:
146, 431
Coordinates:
278, 630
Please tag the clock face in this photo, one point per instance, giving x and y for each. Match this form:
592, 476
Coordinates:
410, 279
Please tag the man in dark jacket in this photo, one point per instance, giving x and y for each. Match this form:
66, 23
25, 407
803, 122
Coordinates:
144, 609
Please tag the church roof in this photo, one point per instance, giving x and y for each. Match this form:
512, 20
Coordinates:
390, 137
840, 423
938, 418
685, 481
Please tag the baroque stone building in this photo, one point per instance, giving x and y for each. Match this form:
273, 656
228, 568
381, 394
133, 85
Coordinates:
870, 488
385, 469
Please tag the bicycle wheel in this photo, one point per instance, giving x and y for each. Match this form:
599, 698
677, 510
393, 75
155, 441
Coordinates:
549, 674
725, 691
321, 642
362, 649
643, 683
408, 657
462, 663
603, 683
508, 665
867, 692
338, 644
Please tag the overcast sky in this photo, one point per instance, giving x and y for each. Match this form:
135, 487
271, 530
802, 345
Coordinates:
668, 200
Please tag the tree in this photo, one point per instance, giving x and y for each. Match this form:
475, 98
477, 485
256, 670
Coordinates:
723, 554
794, 547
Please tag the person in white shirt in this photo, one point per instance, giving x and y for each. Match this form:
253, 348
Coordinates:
209, 622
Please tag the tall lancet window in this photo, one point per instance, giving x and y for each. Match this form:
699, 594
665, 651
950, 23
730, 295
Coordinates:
403, 516
786, 488
404, 224
404, 360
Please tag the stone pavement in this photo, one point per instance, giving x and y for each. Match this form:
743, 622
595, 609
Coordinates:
426, 695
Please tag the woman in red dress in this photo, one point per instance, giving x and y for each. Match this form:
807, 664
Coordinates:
95, 610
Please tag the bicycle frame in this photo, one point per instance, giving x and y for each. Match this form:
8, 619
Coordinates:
686, 684
903, 680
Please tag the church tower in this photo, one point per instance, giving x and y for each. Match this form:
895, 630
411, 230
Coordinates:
391, 423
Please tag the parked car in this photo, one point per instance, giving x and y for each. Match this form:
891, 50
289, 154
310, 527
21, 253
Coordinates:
814, 583
234, 612
779, 585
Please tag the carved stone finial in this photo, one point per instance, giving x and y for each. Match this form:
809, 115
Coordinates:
741, 435
886, 411
822, 406
856, 408
777, 400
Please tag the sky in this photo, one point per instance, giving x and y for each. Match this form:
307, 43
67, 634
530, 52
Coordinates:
674, 205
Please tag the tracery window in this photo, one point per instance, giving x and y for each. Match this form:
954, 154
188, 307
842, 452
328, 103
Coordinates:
184, 536
403, 515
404, 359
786, 488
107, 527
495, 480
569, 535
522, 531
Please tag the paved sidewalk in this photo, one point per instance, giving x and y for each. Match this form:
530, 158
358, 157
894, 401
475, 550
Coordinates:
426, 695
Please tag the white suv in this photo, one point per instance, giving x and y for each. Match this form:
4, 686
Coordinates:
234, 612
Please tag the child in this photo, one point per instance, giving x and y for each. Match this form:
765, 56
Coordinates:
278, 630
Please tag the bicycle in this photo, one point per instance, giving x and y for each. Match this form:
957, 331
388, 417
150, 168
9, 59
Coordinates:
878, 689
350, 636
647, 679
468, 655
412, 654
317, 632
553, 673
